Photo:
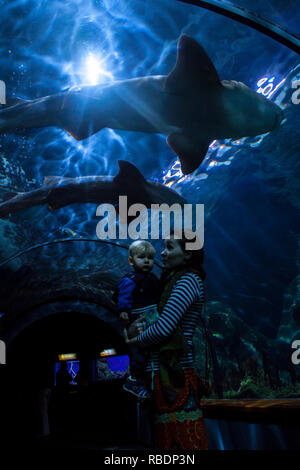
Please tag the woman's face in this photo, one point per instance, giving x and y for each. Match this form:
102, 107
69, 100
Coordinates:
173, 255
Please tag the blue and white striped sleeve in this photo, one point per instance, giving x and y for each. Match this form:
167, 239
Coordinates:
186, 290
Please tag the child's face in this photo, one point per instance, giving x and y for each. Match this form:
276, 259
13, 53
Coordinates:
143, 259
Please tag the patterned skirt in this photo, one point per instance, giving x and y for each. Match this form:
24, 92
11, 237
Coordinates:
179, 425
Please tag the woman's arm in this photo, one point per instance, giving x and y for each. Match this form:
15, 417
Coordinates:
186, 290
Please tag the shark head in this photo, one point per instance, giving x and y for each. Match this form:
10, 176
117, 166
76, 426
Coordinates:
249, 113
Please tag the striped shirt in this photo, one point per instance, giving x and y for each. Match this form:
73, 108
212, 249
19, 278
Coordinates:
184, 307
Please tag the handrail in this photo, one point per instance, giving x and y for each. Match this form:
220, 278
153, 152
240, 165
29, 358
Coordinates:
272, 410
63, 240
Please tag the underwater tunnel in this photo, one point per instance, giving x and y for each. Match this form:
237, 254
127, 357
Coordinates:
58, 317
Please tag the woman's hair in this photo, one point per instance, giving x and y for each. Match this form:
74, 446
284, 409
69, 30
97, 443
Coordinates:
197, 256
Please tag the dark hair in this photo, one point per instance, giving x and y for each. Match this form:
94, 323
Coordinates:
197, 259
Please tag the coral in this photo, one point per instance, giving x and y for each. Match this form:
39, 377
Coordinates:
251, 365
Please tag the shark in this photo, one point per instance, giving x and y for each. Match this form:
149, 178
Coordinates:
58, 192
190, 105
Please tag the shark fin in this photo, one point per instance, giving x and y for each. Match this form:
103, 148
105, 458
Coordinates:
193, 67
128, 173
190, 152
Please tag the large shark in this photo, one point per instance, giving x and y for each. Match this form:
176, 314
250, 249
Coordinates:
58, 191
191, 106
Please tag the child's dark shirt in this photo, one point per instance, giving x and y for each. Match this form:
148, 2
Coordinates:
137, 290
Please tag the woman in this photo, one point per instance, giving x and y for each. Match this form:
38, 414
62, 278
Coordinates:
179, 422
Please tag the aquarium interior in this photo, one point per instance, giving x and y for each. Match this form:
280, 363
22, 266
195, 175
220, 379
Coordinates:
57, 297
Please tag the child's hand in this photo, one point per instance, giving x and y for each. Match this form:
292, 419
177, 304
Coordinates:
127, 340
136, 327
140, 325
124, 317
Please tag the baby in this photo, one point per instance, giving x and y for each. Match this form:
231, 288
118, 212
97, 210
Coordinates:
138, 295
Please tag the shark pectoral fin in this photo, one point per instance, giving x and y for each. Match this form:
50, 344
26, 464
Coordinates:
193, 67
191, 152
79, 116
57, 198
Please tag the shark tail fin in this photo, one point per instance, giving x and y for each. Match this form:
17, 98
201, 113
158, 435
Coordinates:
80, 129
191, 151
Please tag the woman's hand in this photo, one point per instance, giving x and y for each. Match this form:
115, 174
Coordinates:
136, 328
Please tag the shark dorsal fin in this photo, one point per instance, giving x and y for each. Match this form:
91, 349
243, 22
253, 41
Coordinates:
128, 172
193, 67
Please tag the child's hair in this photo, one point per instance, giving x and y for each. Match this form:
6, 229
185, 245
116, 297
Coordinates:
140, 243
197, 258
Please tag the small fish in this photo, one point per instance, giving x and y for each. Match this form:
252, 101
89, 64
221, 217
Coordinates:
68, 232
218, 335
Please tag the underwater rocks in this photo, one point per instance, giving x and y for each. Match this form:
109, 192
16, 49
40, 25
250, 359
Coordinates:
30, 294
251, 365
289, 329
12, 239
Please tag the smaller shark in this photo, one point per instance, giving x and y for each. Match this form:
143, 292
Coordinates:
59, 192
191, 106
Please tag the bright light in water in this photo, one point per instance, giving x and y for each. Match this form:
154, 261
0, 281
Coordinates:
95, 71
173, 172
266, 86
